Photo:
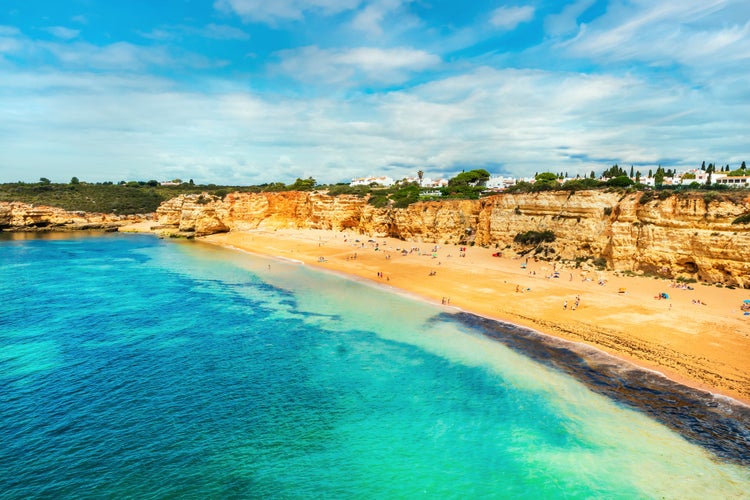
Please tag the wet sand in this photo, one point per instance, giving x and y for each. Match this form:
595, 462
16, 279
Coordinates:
696, 337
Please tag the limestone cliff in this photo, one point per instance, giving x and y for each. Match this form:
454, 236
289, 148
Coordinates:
17, 216
689, 236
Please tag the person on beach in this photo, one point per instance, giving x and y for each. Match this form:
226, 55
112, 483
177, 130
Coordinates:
565, 305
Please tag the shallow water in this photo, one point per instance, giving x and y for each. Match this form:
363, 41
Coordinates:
132, 366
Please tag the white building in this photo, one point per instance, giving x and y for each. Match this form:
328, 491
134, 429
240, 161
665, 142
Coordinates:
499, 182
382, 180
738, 181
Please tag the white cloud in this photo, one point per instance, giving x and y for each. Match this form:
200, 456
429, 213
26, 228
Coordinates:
9, 31
507, 18
566, 21
371, 18
211, 30
223, 32
280, 10
520, 121
703, 36
355, 64
63, 32
120, 55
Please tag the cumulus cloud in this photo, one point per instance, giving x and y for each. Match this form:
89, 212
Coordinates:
507, 18
62, 32
211, 30
223, 32
566, 21
355, 64
282, 10
513, 121
371, 18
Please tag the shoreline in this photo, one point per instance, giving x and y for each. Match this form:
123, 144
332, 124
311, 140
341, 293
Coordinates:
693, 338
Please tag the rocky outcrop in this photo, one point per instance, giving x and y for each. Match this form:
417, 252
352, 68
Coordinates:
17, 216
691, 236
192, 215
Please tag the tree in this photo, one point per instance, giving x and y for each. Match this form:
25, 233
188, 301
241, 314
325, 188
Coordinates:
620, 181
74, 180
638, 177
303, 184
650, 173
475, 177
703, 166
631, 171
742, 167
659, 176
420, 174
191, 182
546, 176
44, 180
613, 171
593, 175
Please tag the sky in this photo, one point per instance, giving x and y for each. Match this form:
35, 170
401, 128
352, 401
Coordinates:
246, 92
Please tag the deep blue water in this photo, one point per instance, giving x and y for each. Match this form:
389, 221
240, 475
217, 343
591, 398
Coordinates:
136, 367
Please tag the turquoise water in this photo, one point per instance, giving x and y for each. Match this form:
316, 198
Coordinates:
136, 367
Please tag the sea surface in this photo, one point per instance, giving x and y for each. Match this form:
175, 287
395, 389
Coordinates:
134, 367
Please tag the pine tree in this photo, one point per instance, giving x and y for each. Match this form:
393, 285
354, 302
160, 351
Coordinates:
650, 173
631, 171
703, 166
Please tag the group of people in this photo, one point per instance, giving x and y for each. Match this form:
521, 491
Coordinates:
575, 305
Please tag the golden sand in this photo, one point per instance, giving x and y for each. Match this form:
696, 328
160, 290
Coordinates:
698, 337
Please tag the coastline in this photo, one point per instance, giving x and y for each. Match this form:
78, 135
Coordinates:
698, 338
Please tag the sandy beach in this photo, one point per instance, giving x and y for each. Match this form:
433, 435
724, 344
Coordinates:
698, 337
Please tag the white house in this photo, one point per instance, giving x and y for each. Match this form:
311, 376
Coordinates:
738, 181
499, 182
382, 180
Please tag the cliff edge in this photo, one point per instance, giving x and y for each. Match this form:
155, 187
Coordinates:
681, 236
16, 216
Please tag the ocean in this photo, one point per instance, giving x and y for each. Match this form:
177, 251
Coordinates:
134, 367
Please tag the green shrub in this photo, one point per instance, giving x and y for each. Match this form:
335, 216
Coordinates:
534, 237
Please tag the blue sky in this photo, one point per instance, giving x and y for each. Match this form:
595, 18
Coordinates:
254, 91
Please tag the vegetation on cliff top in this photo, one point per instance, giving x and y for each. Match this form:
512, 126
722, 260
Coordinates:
124, 198
136, 197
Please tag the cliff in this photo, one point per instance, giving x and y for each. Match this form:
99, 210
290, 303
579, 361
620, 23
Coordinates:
690, 236
17, 216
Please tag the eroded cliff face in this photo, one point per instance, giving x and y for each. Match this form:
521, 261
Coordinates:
17, 216
689, 236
